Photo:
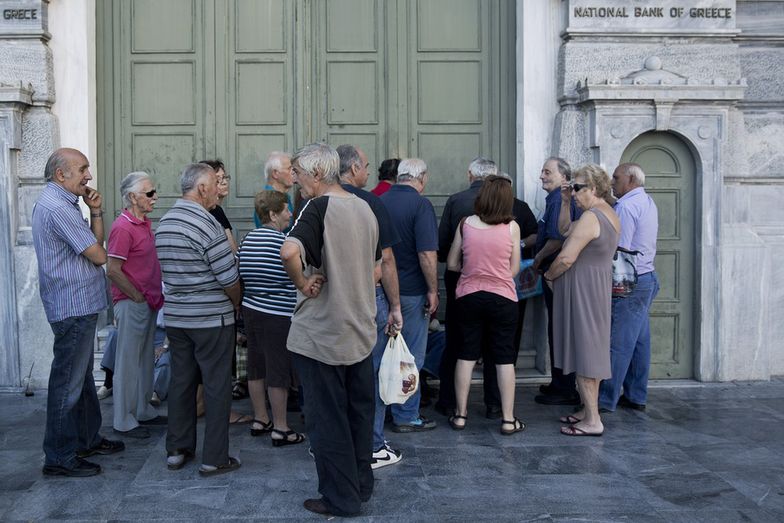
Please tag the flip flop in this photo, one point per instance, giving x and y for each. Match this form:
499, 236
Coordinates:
243, 419
571, 420
571, 430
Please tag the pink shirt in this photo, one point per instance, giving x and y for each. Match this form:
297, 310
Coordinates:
133, 241
486, 257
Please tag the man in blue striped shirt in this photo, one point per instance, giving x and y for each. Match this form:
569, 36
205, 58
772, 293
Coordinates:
73, 291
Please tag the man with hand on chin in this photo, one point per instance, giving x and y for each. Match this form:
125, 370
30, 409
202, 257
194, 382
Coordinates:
73, 291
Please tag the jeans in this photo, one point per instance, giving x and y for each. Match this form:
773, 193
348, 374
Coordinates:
73, 415
415, 323
630, 345
382, 312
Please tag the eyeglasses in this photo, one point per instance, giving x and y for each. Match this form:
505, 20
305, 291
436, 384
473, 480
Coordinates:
577, 187
150, 194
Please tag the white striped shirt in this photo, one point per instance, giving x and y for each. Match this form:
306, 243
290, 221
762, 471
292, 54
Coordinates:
197, 264
267, 286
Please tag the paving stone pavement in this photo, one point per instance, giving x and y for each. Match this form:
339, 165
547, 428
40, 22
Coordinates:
700, 453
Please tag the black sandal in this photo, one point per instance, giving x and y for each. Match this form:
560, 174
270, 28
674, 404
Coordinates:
265, 427
518, 426
453, 419
240, 391
298, 438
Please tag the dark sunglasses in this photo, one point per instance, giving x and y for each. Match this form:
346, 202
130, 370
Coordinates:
577, 187
150, 194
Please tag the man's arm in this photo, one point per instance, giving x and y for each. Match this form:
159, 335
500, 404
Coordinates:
428, 262
445, 232
392, 289
310, 286
234, 292
118, 277
549, 248
95, 253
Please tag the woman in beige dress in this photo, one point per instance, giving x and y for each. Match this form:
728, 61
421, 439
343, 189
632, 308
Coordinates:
581, 278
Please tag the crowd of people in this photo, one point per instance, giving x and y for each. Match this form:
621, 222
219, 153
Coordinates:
320, 294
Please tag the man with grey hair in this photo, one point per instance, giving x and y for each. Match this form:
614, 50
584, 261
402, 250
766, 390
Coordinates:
630, 338
353, 177
415, 221
73, 291
136, 293
331, 255
202, 295
461, 205
562, 389
277, 170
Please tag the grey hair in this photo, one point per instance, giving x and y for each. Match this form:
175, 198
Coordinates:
191, 175
635, 171
273, 162
481, 167
57, 160
504, 175
562, 165
130, 184
349, 156
318, 158
411, 169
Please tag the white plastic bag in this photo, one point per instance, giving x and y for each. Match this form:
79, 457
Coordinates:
398, 377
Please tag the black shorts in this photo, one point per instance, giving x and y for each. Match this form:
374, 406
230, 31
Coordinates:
487, 316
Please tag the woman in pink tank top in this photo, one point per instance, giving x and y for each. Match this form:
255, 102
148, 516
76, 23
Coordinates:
486, 252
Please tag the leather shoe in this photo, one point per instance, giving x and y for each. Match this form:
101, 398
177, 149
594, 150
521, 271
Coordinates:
317, 506
157, 420
137, 432
553, 399
493, 412
81, 469
623, 401
105, 447
548, 389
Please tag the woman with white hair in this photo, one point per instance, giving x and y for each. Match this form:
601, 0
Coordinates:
135, 273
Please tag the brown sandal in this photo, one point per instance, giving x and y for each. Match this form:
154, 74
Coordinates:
517, 426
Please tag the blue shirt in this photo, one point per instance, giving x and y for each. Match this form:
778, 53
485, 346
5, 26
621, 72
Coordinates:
70, 284
415, 221
257, 220
639, 227
548, 225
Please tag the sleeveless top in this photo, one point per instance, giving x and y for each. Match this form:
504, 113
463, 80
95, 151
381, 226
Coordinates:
486, 255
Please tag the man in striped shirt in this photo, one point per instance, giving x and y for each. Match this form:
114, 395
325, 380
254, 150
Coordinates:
73, 291
202, 293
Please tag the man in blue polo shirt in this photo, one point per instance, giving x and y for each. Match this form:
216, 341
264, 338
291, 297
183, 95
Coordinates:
73, 291
415, 255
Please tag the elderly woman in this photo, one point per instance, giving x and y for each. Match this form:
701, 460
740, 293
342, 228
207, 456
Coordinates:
486, 252
135, 273
581, 278
268, 302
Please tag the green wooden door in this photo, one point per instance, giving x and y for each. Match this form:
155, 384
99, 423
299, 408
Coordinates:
670, 180
184, 80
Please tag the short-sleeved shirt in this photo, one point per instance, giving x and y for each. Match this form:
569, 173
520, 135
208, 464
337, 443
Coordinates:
639, 227
197, 264
548, 225
133, 241
70, 284
267, 286
415, 222
218, 213
337, 236
387, 233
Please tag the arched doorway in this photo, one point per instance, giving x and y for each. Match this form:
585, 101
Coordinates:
671, 181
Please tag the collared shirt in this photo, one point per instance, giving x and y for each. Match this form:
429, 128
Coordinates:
415, 222
70, 284
548, 224
639, 227
387, 233
133, 241
197, 264
257, 220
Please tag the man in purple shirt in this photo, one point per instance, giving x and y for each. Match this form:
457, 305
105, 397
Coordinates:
73, 291
630, 340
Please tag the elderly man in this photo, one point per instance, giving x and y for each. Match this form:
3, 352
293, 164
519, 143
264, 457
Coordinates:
202, 294
461, 205
73, 291
353, 177
630, 339
137, 296
279, 178
415, 255
562, 389
331, 254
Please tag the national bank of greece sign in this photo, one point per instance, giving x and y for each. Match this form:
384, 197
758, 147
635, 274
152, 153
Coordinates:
620, 17
24, 19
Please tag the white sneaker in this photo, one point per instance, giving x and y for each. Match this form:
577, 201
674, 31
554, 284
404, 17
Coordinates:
103, 392
384, 456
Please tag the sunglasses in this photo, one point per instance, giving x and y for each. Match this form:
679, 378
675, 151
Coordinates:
577, 187
150, 194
